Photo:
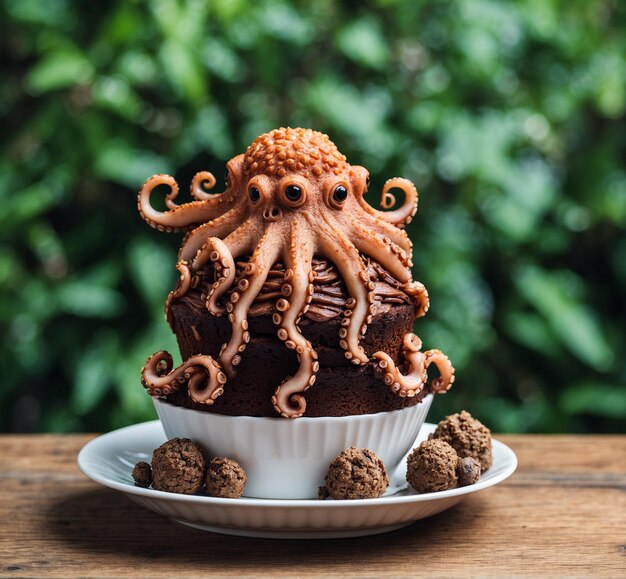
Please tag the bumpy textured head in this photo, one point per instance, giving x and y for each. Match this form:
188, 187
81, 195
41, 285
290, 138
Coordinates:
289, 169
287, 150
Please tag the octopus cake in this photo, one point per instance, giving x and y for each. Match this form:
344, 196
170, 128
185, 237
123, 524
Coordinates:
295, 297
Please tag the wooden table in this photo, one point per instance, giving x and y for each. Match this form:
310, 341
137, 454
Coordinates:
562, 514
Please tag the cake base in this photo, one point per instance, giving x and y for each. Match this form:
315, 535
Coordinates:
341, 388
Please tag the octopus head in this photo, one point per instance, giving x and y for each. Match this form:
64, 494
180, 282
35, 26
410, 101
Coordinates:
287, 169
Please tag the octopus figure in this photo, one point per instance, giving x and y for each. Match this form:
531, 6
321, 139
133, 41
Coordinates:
291, 196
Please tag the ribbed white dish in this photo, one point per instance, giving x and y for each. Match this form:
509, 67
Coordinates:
109, 460
288, 459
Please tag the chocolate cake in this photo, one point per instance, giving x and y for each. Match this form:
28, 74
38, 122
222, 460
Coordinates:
295, 295
341, 389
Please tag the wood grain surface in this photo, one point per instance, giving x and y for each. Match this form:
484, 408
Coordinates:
562, 514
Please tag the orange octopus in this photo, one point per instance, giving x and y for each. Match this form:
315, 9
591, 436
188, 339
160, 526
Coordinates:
291, 196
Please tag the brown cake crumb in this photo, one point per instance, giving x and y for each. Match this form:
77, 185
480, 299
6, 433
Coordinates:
225, 478
178, 467
142, 474
357, 473
431, 467
468, 436
468, 471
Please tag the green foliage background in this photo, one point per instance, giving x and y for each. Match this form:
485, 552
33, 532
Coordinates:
508, 116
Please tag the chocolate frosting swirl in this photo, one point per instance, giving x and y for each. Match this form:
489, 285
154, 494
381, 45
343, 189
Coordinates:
329, 291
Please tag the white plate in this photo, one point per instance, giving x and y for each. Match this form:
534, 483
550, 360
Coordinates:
110, 458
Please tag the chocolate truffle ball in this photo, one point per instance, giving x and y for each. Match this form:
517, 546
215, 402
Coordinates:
142, 474
468, 471
178, 467
431, 467
468, 436
357, 473
225, 478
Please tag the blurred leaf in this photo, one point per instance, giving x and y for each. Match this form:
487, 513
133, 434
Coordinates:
595, 398
59, 70
94, 372
117, 162
137, 67
533, 332
183, 70
609, 83
355, 114
282, 21
38, 12
222, 61
363, 42
114, 93
89, 300
152, 268
29, 203
555, 296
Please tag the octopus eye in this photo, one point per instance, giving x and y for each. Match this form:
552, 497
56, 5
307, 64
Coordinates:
340, 194
293, 193
254, 193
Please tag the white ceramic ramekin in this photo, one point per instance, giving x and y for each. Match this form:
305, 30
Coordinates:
288, 459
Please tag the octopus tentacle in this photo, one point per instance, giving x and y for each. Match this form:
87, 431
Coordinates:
255, 274
185, 280
398, 217
336, 247
179, 217
224, 263
203, 375
444, 381
200, 184
419, 294
412, 383
219, 227
240, 242
383, 250
398, 236
244, 239
298, 292
182, 288
237, 243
